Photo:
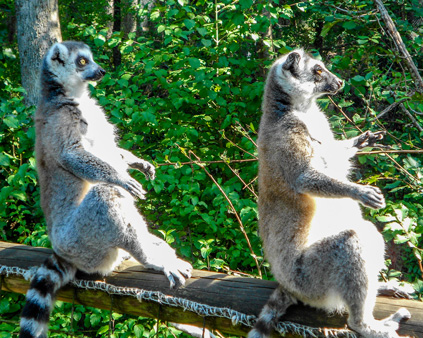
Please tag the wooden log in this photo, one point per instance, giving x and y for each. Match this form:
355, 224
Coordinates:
245, 295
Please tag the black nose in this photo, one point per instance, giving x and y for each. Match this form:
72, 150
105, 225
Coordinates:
101, 71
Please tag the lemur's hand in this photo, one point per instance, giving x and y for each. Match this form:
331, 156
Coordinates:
145, 167
369, 139
135, 188
370, 196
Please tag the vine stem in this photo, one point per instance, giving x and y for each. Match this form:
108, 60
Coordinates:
241, 225
207, 162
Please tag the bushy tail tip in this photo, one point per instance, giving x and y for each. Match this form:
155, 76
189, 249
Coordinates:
49, 278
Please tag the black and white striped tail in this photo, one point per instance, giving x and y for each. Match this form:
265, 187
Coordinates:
275, 307
40, 298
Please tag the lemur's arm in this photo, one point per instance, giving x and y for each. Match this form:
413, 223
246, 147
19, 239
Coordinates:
88, 167
71, 155
305, 179
136, 163
313, 182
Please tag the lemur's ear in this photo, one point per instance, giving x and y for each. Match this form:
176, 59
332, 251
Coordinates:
59, 53
292, 62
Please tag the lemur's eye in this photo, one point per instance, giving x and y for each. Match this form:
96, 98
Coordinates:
82, 61
319, 71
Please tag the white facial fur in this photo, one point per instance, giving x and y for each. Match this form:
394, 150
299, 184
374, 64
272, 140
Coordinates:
62, 64
302, 88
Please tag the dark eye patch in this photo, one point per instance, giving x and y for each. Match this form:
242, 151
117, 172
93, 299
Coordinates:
82, 61
317, 70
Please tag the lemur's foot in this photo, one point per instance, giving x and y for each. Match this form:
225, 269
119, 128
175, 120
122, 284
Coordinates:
394, 320
385, 328
394, 289
177, 272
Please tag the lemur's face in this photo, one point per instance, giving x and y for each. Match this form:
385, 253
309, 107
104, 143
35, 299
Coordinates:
86, 68
72, 65
301, 75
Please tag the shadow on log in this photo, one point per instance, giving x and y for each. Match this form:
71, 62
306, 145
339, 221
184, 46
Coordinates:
244, 295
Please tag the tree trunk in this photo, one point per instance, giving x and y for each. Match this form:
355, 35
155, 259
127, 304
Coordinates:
109, 9
129, 21
117, 56
38, 28
143, 25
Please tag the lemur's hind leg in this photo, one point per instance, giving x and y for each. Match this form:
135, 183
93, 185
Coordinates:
148, 249
269, 316
350, 275
109, 218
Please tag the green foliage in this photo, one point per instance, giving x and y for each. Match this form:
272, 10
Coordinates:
190, 87
20, 215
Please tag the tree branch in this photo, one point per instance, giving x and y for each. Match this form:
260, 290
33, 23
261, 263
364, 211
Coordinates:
396, 37
389, 108
413, 119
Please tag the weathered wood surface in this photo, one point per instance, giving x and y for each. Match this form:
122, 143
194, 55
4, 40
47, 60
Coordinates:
246, 295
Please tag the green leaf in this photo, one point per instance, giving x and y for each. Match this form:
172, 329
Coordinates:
202, 31
349, 25
327, 27
399, 239
99, 40
11, 121
19, 195
206, 43
386, 218
245, 4
4, 306
95, 319
194, 63
103, 329
138, 330
114, 41
155, 15
358, 78
4, 160
189, 23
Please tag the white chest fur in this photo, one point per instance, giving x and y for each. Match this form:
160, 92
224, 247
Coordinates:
329, 155
100, 138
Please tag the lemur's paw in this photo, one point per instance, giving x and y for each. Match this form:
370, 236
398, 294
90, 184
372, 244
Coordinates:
178, 272
371, 197
369, 139
134, 188
146, 168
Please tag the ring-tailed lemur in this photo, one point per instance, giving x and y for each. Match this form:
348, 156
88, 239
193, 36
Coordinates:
87, 194
321, 250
